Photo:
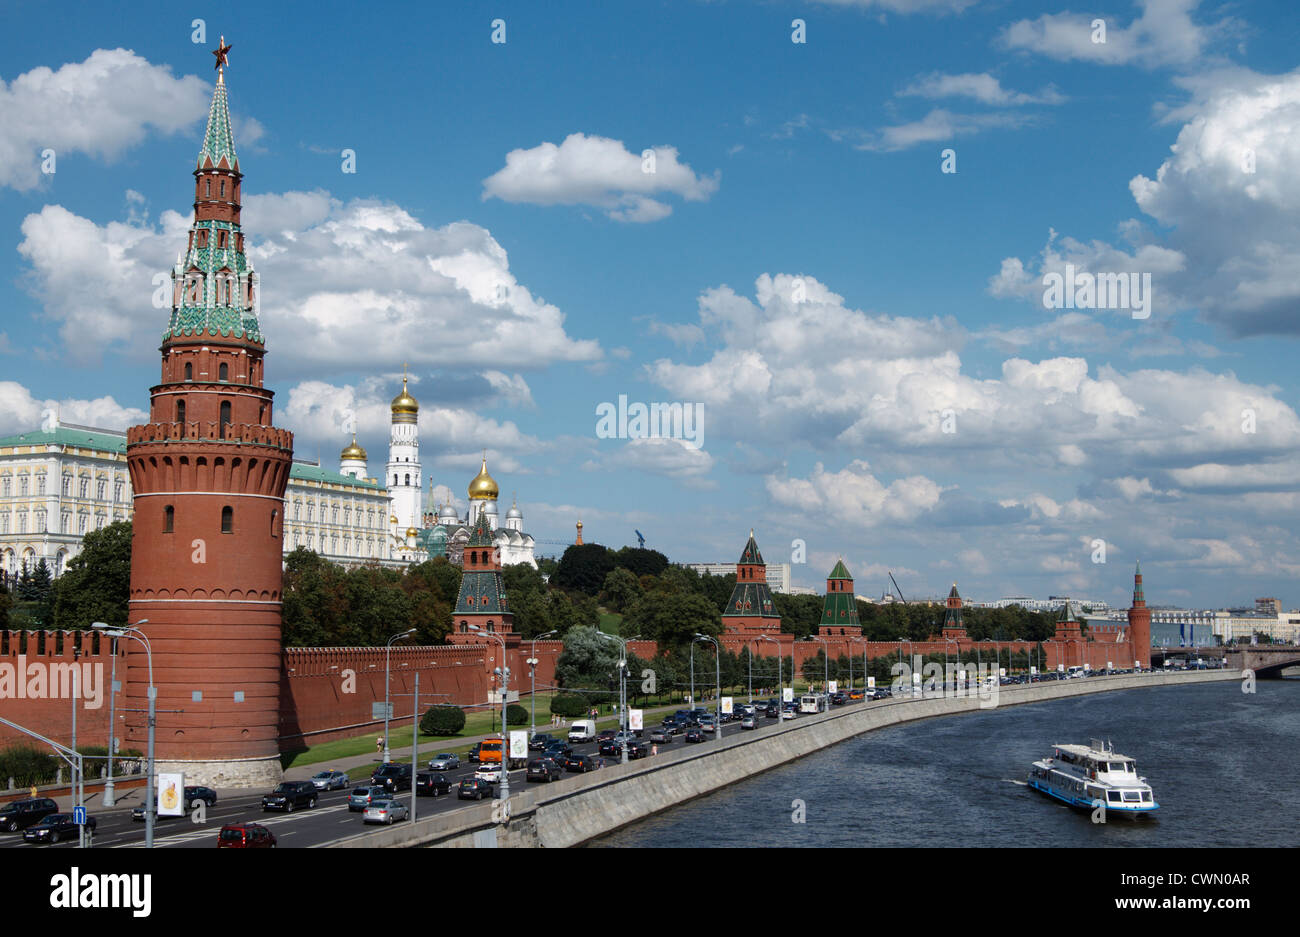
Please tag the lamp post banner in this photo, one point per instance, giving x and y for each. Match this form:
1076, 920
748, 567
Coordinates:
518, 744
171, 795
726, 706
635, 719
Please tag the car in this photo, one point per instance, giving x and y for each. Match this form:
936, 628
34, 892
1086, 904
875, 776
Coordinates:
385, 811
606, 734
611, 746
694, 735
206, 796
637, 749
580, 763
559, 751
749, 722
431, 784
472, 756
20, 814
474, 789
540, 741
490, 772
839, 699
787, 714
290, 794
447, 761
393, 777
245, 836
771, 710
661, 736
543, 769
325, 781
56, 826
676, 727
708, 725
361, 798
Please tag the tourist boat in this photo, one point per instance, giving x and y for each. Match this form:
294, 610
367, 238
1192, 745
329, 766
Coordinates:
1082, 775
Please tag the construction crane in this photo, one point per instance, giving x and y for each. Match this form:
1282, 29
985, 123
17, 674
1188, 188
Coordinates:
896, 589
640, 539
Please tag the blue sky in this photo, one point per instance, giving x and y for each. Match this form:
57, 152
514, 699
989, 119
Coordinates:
863, 331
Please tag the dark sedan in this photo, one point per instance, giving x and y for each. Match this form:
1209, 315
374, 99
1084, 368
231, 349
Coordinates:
21, 814
611, 746
290, 794
637, 749
474, 789
541, 741
55, 827
580, 763
543, 769
694, 735
431, 784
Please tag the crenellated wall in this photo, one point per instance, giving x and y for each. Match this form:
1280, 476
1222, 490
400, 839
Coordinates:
40, 661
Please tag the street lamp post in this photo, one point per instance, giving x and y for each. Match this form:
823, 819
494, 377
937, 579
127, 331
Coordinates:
388, 706
108, 799
901, 642
532, 671
622, 689
948, 641
133, 632
503, 790
826, 662
717, 673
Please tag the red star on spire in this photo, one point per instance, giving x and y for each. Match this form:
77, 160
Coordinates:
222, 53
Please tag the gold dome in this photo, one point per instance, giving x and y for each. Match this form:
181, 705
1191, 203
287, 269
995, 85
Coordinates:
411, 532
405, 407
392, 519
353, 451
483, 487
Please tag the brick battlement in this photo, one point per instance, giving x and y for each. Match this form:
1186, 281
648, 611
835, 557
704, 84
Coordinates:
211, 432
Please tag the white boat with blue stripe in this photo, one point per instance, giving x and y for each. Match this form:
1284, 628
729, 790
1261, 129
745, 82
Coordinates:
1088, 775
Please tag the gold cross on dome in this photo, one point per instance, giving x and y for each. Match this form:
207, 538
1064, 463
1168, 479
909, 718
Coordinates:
222, 53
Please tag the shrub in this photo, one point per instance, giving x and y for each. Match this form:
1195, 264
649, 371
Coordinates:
516, 715
443, 720
569, 705
28, 766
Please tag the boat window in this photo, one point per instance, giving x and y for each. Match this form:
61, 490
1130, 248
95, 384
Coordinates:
1117, 766
1131, 796
1113, 796
1146, 797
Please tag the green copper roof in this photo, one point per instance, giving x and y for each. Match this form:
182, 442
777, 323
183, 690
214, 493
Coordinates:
751, 554
751, 600
315, 473
840, 571
68, 436
218, 141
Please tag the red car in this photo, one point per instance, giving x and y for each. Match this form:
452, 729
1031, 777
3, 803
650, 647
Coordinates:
245, 836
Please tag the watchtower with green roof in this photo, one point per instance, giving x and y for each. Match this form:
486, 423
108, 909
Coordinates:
751, 609
840, 610
952, 623
482, 599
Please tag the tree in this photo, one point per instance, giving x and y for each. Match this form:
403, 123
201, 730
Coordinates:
96, 586
442, 720
587, 660
640, 561
583, 568
516, 715
314, 606
621, 589
672, 620
6, 603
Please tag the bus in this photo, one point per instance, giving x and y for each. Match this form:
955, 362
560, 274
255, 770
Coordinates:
812, 703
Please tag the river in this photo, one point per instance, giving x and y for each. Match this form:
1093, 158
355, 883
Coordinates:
1222, 764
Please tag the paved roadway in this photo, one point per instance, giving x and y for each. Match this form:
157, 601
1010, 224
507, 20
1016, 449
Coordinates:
328, 821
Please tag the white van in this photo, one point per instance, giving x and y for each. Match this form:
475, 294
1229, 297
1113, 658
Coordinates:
582, 730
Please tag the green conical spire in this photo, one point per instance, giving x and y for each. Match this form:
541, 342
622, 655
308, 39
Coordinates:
219, 141
840, 571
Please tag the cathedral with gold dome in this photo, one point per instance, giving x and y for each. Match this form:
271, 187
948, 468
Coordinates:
415, 534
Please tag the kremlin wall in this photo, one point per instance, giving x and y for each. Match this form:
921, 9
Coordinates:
209, 472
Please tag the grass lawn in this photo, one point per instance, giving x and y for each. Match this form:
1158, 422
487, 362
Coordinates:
610, 622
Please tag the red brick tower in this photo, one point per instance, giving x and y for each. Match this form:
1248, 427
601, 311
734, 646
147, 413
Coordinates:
209, 472
751, 609
952, 624
1139, 624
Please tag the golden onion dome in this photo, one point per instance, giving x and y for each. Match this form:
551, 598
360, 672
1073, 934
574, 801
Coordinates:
405, 407
483, 487
392, 518
353, 451
411, 532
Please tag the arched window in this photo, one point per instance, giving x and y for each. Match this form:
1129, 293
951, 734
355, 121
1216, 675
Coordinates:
223, 188
169, 519
227, 520
274, 515
225, 417
408, 478
180, 411
221, 235
223, 372
207, 188
189, 371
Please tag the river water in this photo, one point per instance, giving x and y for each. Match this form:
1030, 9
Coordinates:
1223, 765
